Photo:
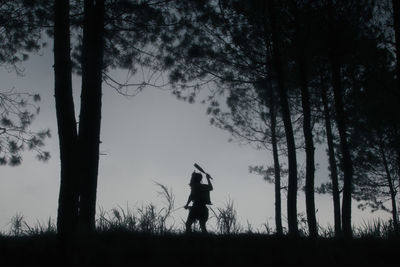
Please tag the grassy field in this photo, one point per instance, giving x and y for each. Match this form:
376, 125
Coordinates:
135, 249
143, 237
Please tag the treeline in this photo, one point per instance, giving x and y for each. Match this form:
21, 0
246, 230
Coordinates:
292, 74
297, 74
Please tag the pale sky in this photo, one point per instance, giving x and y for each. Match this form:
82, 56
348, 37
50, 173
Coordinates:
152, 137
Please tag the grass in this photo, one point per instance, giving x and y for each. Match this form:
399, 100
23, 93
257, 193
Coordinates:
19, 227
142, 237
147, 236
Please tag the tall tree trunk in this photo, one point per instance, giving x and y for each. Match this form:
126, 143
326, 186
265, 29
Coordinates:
310, 162
277, 167
90, 116
66, 122
346, 158
398, 168
283, 97
271, 103
396, 19
347, 164
398, 177
332, 165
391, 186
307, 128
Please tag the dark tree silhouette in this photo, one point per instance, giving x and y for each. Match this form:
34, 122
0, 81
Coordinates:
232, 58
110, 39
292, 161
341, 123
19, 36
373, 137
396, 24
301, 41
17, 113
67, 133
277, 167
90, 116
218, 43
332, 161
252, 119
375, 174
266, 56
346, 22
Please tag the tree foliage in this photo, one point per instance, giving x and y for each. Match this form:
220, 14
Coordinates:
20, 36
17, 112
342, 48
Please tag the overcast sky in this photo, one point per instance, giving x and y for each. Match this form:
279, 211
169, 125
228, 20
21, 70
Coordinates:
152, 137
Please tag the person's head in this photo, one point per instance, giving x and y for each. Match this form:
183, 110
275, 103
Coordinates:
196, 178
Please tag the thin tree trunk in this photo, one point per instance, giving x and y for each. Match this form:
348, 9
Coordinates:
396, 19
347, 164
398, 177
346, 158
398, 166
271, 103
332, 165
310, 162
292, 162
277, 170
66, 122
307, 128
90, 116
391, 187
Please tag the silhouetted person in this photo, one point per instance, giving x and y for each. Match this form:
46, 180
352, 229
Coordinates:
200, 196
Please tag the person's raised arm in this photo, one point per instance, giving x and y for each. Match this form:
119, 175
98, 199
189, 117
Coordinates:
209, 181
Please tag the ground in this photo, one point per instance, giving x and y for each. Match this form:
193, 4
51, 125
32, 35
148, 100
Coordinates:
127, 249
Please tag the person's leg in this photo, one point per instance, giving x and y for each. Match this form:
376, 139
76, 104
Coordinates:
203, 226
203, 219
190, 220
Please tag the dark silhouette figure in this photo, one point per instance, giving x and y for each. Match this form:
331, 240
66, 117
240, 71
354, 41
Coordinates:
200, 195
